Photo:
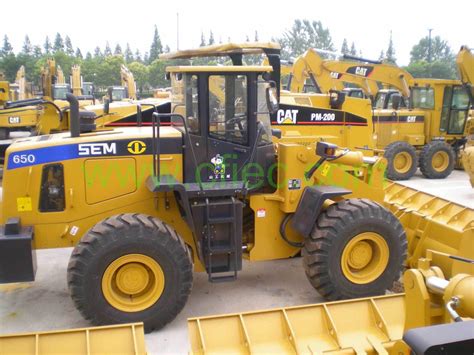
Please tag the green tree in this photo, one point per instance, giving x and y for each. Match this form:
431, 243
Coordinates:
128, 55
58, 43
37, 51
118, 50
69, 47
27, 47
345, 47
353, 50
157, 74
211, 39
156, 47
107, 50
440, 50
382, 55
47, 46
439, 62
140, 73
138, 56
390, 54
98, 52
203, 40
78, 53
302, 35
256, 36
7, 48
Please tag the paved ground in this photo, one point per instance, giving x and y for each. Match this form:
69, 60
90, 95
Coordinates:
46, 305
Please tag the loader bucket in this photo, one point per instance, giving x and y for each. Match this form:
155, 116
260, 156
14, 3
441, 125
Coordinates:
433, 223
368, 325
115, 339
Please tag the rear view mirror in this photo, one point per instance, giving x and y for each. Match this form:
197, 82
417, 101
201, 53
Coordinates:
396, 100
109, 94
139, 115
106, 106
336, 99
272, 99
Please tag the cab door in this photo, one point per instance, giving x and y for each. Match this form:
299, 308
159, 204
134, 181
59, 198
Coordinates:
455, 110
230, 131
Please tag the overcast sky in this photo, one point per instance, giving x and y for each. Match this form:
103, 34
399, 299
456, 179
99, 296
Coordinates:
368, 23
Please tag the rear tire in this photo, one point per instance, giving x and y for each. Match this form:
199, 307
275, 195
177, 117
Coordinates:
401, 159
130, 268
357, 249
437, 160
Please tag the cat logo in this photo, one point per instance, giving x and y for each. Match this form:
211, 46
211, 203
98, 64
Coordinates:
136, 147
286, 116
361, 71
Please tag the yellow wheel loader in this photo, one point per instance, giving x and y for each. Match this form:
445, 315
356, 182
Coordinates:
145, 206
434, 316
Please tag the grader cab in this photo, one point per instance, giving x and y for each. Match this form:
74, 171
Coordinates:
143, 206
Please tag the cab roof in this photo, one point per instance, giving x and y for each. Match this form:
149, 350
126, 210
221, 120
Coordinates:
220, 50
219, 69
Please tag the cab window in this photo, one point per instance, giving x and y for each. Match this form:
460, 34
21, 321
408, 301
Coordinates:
263, 116
228, 117
192, 104
52, 197
422, 97
455, 110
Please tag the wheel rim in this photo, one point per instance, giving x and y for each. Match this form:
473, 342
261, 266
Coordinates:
365, 258
440, 161
402, 162
133, 282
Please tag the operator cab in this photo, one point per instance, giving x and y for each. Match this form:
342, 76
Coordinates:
60, 91
117, 93
88, 89
384, 99
227, 118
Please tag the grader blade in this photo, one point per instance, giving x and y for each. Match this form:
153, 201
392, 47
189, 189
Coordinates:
115, 339
433, 223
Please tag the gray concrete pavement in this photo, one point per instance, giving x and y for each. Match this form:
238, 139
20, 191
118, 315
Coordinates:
46, 305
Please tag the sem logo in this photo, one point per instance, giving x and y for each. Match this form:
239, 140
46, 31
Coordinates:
286, 116
136, 147
97, 149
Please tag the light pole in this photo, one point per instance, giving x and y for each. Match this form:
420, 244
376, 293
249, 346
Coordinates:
429, 44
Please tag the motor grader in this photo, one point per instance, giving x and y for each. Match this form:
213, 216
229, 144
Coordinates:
144, 206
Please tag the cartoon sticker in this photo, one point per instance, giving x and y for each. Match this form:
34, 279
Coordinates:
219, 168
294, 184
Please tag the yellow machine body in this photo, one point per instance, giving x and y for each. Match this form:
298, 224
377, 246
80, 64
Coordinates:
113, 339
373, 325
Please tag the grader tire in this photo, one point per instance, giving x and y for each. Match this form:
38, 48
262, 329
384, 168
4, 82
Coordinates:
130, 268
357, 249
401, 159
437, 160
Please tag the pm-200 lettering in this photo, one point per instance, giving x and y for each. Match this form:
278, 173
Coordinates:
323, 117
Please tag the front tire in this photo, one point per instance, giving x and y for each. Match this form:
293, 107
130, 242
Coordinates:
357, 249
130, 268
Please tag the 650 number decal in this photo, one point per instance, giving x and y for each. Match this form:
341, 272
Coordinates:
24, 159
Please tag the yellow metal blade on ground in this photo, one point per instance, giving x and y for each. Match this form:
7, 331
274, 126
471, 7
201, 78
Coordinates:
434, 223
368, 325
115, 339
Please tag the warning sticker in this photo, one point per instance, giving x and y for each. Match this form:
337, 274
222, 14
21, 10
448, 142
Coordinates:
261, 213
23, 204
294, 184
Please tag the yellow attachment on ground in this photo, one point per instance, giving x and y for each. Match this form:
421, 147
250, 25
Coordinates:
372, 325
348, 327
114, 339
433, 223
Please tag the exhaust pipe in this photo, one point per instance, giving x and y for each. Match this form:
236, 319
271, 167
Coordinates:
74, 124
